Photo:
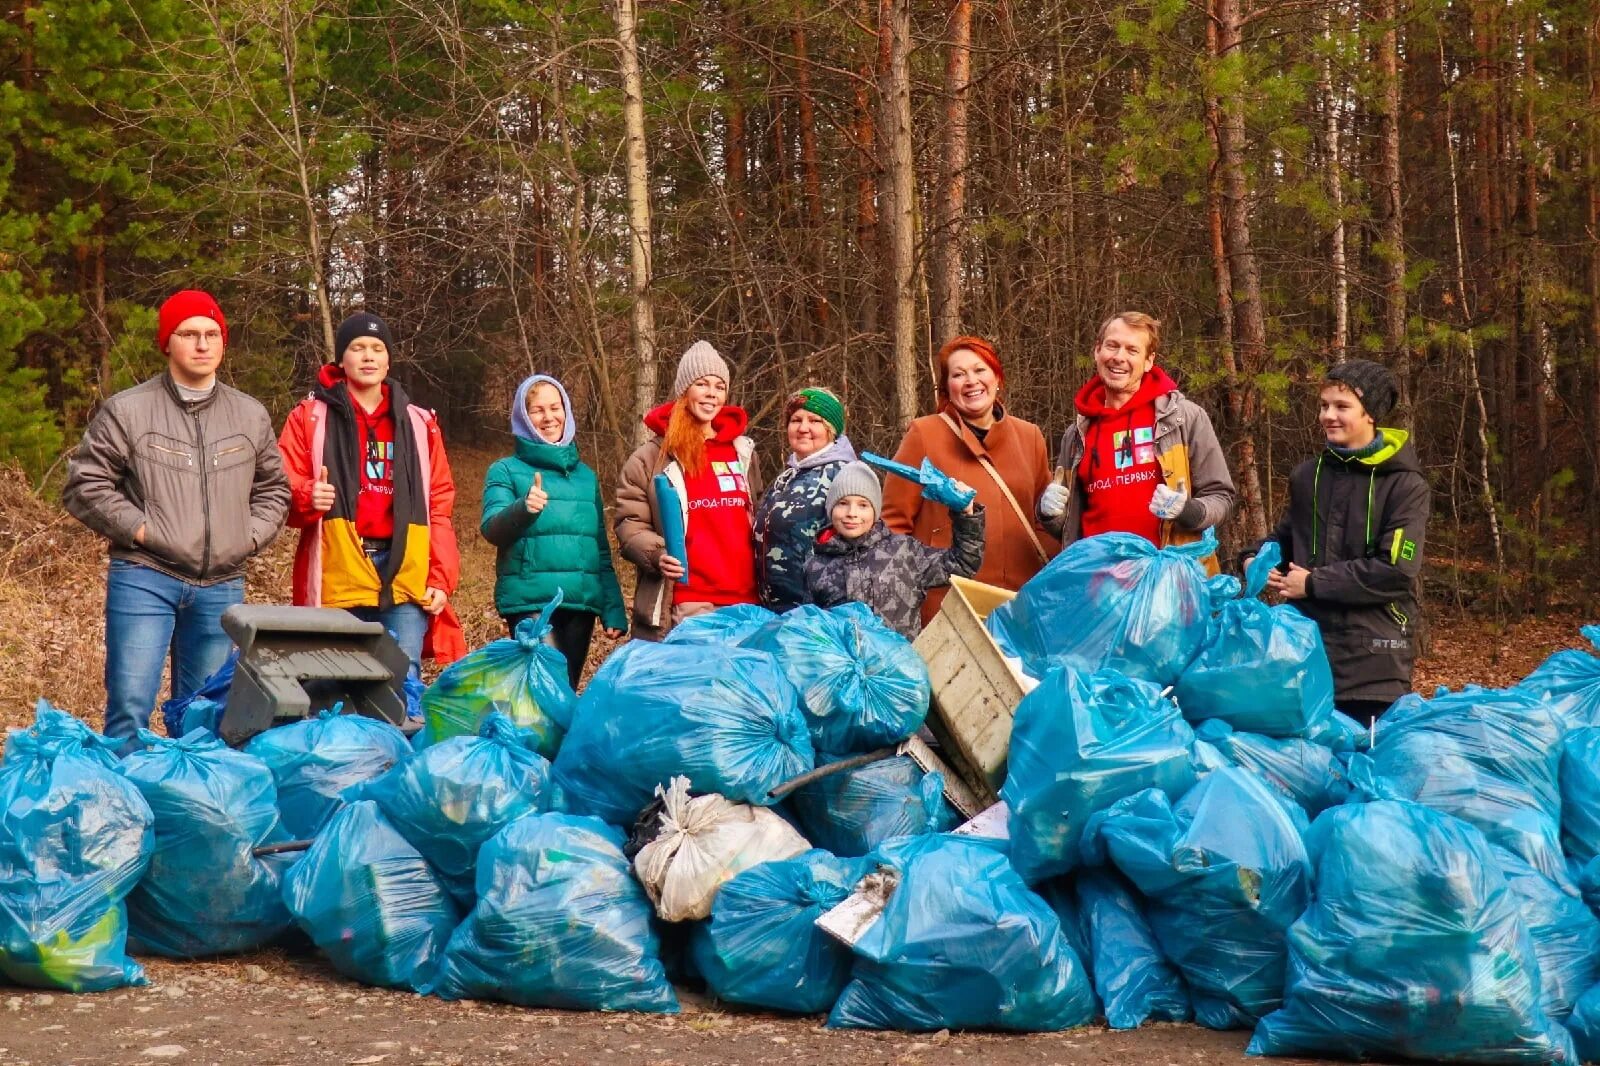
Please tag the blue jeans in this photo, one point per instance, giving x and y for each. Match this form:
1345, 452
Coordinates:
152, 618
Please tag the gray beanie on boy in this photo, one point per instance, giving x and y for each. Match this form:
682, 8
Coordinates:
701, 359
856, 479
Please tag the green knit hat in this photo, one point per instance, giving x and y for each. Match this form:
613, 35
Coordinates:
820, 402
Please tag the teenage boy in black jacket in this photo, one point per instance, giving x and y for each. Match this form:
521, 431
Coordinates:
1352, 540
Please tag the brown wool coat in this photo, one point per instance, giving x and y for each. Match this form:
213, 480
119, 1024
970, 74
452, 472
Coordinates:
1018, 452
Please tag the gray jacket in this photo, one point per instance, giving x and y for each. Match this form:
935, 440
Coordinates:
205, 480
1191, 461
891, 572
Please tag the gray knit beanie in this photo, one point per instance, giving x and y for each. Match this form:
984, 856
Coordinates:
856, 479
701, 359
1370, 381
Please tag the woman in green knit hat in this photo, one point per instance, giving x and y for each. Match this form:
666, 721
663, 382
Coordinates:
794, 511
542, 511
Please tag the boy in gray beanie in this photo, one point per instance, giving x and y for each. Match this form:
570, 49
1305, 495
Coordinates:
858, 559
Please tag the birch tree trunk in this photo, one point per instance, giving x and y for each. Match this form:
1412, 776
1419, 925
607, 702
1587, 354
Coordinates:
638, 163
950, 202
1333, 161
894, 94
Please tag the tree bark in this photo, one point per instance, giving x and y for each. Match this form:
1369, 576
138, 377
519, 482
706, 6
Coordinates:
638, 164
866, 171
894, 93
1249, 315
1593, 217
1392, 221
1532, 258
950, 207
1333, 161
811, 177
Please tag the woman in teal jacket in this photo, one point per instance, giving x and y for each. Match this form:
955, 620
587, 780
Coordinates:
542, 512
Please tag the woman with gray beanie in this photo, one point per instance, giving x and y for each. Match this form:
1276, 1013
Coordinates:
701, 449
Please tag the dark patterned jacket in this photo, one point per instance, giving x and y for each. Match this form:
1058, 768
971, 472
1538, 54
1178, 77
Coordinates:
890, 572
788, 520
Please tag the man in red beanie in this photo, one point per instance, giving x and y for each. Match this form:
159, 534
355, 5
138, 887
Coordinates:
182, 475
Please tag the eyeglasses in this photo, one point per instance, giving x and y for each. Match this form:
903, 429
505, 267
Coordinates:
194, 336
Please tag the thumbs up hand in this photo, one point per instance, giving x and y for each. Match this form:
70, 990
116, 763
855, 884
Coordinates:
537, 497
322, 493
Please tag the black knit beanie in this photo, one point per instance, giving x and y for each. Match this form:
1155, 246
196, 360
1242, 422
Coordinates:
360, 324
1370, 381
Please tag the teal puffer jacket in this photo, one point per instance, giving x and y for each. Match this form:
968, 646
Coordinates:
562, 547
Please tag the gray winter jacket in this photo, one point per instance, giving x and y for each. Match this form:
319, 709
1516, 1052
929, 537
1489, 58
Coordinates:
205, 480
890, 572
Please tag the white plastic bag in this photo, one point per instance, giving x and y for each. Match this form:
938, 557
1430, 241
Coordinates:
704, 841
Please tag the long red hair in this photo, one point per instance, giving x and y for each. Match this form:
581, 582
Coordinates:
685, 438
977, 346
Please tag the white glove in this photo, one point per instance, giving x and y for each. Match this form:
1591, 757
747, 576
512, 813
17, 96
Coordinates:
1053, 503
1167, 503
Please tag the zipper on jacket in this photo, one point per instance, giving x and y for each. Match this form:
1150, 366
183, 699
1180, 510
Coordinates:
188, 459
205, 494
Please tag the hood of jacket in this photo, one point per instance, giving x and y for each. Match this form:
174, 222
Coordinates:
522, 429
728, 426
1393, 456
1091, 399
839, 451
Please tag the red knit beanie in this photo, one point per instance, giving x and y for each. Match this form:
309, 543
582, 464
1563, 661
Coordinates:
186, 303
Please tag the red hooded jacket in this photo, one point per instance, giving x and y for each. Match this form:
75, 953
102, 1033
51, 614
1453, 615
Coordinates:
1120, 469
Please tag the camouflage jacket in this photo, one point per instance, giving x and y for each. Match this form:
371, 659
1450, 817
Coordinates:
788, 520
890, 572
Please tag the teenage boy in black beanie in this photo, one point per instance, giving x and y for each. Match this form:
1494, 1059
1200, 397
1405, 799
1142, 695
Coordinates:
1352, 540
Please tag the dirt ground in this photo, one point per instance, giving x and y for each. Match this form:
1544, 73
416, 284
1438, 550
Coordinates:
271, 1009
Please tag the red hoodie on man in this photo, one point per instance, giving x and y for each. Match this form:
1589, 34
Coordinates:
718, 537
1120, 469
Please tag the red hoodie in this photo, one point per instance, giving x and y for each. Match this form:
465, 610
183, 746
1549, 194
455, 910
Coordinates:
1119, 472
721, 546
375, 446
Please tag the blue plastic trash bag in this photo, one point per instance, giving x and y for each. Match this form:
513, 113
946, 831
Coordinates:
1224, 874
205, 892
1565, 935
371, 902
61, 732
726, 718
760, 946
961, 944
522, 677
560, 922
725, 625
414, 690
1310, 774
202, 706
1414, 947
314, 761
1584, 1025
75, 836
1261, 669
1341, 733
853, 811
1058, 893
937, 486
1580, 795
1570, 681
1489, 757
447, 799
1134, 980
861, 684
1113, 602
1079, 743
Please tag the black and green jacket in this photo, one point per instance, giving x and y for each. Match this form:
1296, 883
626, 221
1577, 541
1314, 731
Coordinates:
1358, 524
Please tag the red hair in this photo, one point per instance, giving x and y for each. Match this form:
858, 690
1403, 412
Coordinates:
977, 346
685, 439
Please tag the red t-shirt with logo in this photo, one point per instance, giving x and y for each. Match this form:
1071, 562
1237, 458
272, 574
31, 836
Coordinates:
375, 438
1120, 469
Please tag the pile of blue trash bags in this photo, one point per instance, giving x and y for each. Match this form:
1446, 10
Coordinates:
1190, 832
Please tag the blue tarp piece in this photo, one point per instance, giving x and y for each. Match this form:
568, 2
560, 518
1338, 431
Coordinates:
75, 837
1261, 669
1224, 874
1079, 743
371, 902
961, 944
522, 677
1114, 602
1414, 947
314, 761
726, 718
560, 922
761, 947
205, 892
862, 685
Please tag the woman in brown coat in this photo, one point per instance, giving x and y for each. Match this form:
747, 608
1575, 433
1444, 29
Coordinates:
973, 439
701, 448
